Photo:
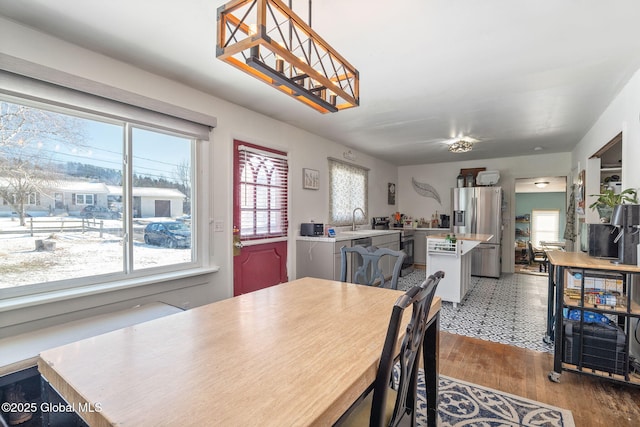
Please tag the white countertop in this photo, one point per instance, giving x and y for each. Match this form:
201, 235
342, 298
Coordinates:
349, 235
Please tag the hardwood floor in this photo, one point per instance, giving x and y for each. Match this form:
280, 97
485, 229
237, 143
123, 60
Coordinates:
593, 401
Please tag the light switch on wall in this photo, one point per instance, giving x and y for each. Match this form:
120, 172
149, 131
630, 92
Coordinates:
218, 226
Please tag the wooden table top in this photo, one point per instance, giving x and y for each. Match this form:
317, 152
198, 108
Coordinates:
582, 260
299, 353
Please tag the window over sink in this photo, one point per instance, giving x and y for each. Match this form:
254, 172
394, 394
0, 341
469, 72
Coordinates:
348, 190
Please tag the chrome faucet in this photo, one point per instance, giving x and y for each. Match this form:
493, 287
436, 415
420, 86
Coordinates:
353, 218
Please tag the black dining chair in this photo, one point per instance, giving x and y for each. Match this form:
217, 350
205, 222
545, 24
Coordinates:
538, 256
366, 263
386, 406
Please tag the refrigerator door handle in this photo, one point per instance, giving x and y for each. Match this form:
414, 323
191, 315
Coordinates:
474, 215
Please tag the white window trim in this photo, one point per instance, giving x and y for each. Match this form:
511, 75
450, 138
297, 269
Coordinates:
27, 91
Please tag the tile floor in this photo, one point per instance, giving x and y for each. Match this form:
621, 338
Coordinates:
510, 310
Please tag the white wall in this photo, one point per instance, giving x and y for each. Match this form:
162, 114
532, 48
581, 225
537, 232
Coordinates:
214, 166
622, 115
442, 177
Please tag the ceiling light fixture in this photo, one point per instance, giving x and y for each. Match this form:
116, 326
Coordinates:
267, 40
461, 146
541, 184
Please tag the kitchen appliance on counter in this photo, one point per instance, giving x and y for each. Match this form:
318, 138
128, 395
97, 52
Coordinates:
478, 210
311, 229
397, 220
601, 241
380, 223
444, 221
406, 245
626, 219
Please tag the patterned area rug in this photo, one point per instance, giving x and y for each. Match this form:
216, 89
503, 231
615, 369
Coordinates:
462, 403
511, 310
465, 404
530, 269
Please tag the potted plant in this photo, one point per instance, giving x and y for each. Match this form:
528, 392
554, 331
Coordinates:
609, 199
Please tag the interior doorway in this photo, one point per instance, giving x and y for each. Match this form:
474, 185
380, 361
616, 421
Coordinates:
540, 218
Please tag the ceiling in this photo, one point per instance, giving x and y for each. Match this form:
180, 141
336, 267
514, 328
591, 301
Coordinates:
555, 184
522, 78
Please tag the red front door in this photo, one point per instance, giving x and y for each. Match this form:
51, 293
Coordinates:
260, 206
259, 266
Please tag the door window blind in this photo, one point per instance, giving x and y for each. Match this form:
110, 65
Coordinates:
263, 183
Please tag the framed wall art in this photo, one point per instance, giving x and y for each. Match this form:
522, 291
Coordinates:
310, 179
391, 193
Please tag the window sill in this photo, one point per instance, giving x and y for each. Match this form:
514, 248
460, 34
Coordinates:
83, 291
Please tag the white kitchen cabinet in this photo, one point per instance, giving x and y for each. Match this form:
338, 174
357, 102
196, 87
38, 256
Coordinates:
319, 258
389, 241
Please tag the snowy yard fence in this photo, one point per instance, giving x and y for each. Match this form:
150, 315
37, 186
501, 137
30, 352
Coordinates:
64, 224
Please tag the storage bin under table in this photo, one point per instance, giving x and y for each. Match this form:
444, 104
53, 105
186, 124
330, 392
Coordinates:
600, 347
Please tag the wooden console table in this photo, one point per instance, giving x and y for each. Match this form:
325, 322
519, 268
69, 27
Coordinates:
594, 268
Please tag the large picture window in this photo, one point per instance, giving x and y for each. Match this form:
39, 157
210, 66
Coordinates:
111, 198
348, 189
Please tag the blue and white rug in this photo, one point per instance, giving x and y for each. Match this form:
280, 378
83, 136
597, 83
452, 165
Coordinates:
464, 404
511, 310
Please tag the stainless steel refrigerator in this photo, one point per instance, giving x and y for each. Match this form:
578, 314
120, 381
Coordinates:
478, 210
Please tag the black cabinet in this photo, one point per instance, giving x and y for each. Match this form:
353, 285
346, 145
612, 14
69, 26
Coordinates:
45, 405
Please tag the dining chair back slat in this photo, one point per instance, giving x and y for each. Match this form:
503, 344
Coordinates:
368, 272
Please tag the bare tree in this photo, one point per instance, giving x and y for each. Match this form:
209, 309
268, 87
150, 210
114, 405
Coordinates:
26, 169
182, 175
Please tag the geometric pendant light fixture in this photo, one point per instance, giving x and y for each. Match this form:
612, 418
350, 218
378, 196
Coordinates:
267, 40
461, 146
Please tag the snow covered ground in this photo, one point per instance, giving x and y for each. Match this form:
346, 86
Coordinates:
76, 254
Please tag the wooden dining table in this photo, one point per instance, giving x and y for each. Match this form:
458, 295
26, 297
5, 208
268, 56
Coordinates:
295, 354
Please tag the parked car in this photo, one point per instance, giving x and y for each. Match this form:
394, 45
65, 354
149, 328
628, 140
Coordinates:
172, 234
92, 211
17, 215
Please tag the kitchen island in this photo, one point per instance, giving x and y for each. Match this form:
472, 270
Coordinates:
454, 258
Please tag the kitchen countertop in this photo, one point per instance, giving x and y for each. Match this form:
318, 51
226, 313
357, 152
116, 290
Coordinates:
475, 237
421, 229
349, 235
